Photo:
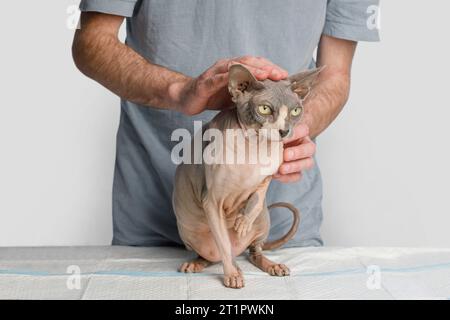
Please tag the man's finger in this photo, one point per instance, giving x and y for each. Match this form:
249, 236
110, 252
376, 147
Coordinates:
262, 63
265, 67
304, 150
296, 166
288, 178
258, 73
212, 84
275, 74
262, 73
301, 131
221, 66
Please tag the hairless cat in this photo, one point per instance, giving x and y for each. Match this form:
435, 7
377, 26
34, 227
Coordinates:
220, 206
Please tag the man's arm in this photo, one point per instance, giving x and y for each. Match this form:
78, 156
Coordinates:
322, 106
99, 54
333, 86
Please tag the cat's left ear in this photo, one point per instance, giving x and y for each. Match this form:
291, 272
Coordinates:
301, 83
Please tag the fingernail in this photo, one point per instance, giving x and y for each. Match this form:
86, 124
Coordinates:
286, 167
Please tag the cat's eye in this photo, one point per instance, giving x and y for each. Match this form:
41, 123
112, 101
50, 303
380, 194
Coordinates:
265, 110
296, 112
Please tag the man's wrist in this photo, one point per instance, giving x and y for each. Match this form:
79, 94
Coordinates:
176, 92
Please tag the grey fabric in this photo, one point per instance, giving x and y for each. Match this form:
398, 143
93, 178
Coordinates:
123, 8
347, 19
188, 36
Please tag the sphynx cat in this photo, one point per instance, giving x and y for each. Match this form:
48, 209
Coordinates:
220, 206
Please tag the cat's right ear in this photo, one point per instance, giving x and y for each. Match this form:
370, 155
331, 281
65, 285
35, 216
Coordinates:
301, 83
241, 81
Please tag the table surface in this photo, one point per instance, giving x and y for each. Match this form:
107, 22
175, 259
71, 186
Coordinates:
151, 273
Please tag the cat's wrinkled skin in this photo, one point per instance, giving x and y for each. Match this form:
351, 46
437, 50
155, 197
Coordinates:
220, 208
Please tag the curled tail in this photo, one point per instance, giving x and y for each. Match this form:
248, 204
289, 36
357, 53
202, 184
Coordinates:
288, 236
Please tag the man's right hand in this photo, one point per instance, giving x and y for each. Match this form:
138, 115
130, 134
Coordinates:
210, 89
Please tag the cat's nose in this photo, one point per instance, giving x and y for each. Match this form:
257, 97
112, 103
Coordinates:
283, 133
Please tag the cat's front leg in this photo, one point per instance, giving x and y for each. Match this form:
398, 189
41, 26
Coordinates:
233, 277
254, 206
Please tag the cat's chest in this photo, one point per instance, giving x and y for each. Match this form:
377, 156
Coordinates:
258, 156
242, 167
245, 155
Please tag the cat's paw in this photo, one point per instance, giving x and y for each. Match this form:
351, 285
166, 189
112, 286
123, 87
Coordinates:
193, 266
278, 269
235, 280
242, 225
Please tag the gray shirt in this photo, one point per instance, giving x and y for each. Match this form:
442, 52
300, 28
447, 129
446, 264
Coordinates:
189, 36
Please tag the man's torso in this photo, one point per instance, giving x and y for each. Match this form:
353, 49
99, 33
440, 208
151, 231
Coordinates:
189, 36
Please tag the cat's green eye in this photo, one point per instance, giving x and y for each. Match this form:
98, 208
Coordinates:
296, 112
265, 110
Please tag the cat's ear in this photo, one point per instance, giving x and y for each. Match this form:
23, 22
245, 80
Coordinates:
241, 80
301, 83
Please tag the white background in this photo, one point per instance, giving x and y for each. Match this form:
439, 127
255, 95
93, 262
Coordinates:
385, 161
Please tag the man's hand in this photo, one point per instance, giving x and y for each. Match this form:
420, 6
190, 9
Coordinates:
210, 89
298, 155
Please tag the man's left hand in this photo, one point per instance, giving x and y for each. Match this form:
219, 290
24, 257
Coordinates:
298, 155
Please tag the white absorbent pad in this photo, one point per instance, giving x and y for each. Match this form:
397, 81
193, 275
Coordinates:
151, 273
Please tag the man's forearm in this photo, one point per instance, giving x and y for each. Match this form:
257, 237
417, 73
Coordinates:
333, 86
326, 102
100, 55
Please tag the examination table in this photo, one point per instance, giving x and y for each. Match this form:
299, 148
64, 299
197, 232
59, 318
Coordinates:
151, 273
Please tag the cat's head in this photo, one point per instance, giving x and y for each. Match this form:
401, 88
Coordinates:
276, 106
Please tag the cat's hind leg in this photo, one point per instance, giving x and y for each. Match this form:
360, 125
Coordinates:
195, 265
259, 260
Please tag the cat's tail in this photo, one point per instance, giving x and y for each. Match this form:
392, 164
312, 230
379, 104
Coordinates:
288, 236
